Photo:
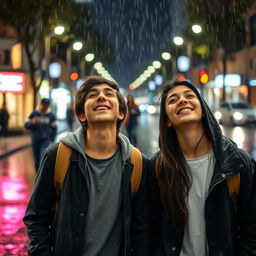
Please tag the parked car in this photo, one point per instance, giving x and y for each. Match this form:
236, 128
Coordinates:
236, 113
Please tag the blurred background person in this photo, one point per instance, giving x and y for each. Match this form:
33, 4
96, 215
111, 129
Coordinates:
43, 126
131, 119
70, 116
4, 118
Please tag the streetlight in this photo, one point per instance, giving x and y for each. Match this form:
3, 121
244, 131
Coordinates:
178, 40
196, 29
77, 46
59, 30
87, 58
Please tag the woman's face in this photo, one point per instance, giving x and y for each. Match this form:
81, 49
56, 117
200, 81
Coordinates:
182, 106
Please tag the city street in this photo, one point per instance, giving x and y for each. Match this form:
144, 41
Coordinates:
17, 177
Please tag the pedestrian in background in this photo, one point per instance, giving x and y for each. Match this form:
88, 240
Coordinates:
97, 213
131, 121
70, 116
4, 118
203, 189
42, 124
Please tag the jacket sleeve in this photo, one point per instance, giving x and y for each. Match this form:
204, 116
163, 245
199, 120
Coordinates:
247, 209
28, 123
38, 215
140, 229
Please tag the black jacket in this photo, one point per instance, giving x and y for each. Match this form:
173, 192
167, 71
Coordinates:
229, 232
68, 235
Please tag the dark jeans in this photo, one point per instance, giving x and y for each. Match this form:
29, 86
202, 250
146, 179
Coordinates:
131, 132
38, 148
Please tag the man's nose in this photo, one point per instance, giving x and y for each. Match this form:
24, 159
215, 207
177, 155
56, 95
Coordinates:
101, 96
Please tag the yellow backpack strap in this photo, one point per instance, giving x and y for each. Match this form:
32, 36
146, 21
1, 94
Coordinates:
136, 159
60, 170
61, 164
234, 185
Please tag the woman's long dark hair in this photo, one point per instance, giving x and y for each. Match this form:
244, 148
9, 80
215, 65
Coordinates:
173, 172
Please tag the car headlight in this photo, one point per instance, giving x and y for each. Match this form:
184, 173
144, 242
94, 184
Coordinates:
238, 116
218, 115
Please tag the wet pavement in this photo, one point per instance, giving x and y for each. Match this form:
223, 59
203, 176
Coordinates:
16, 181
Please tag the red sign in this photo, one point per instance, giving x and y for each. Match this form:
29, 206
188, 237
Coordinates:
12, 82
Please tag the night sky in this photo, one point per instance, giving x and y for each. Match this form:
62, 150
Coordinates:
138, 31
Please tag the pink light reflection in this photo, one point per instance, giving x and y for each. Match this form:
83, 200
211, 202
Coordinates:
13, 190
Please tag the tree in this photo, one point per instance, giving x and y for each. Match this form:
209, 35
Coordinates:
33, 20
221, 20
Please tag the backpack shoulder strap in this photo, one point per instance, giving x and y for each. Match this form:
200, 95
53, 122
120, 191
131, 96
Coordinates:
61, 165
234, 185
136, 159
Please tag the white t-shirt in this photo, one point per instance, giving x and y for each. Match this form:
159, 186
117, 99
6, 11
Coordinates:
194, 242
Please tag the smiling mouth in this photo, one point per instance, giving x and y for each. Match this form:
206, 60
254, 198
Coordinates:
101, 108
184, 111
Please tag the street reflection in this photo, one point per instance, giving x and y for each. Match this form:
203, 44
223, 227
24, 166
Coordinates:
15, 188
13, 198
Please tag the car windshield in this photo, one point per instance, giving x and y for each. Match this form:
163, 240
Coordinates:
241, 105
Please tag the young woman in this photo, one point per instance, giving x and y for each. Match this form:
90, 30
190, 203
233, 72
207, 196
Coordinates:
192, 212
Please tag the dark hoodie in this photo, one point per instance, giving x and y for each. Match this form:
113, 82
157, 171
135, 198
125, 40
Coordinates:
228, 231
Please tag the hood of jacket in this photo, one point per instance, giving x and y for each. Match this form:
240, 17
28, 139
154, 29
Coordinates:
75, 140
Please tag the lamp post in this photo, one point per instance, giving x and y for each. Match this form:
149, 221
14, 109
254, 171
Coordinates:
87, 58
76, 46
166, 56
59, 30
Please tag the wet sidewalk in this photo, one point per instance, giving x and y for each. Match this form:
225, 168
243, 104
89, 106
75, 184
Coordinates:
17, 176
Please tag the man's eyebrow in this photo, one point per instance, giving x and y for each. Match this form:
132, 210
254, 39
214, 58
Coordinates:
176, 94
104, 89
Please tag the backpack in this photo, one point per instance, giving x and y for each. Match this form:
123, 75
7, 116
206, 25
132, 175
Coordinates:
62, 163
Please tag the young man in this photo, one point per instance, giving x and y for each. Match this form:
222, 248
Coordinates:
43, 126
97, 214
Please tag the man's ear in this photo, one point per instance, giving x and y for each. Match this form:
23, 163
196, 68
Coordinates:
82, 117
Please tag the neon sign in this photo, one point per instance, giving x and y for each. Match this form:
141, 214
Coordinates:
12, 82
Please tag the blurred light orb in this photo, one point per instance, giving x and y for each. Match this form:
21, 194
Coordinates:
166, 55
55, 70
156, 64
77, 46
151, 85
151, 69
159, 79
89, 57
178, 40
59, 30
196, 29
97, 65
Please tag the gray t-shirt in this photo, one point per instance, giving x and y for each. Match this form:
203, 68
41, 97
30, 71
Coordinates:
194, 241
104, 226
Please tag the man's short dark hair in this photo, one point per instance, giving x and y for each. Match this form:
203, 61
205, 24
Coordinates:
45, 101
87, 84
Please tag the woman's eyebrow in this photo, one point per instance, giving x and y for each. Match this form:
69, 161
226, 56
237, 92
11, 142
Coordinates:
177, 94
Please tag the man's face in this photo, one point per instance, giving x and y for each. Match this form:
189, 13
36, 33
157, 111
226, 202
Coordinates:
101, 106
44, 107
